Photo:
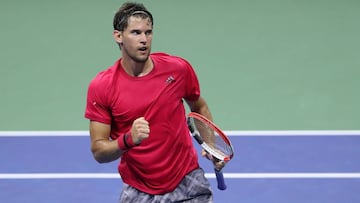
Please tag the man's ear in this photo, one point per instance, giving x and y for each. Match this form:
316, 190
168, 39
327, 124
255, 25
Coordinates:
117, 36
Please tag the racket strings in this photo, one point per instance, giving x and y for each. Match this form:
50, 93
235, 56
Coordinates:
212, 138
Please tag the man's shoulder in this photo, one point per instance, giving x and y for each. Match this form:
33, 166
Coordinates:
165, 57
104, 77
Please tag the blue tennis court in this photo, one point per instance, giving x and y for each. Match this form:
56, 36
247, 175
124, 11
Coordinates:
278, 167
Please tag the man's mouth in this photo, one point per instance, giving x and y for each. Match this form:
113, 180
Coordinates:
143, 49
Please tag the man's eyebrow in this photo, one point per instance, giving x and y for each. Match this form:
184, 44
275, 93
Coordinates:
139, 30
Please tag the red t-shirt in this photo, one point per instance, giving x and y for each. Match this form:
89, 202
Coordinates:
159, 163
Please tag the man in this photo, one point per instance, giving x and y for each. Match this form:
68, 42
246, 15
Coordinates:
136, 113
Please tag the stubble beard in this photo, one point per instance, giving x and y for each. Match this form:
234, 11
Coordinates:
138, 58
142, 59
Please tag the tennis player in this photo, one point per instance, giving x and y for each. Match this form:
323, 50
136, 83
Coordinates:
136, 113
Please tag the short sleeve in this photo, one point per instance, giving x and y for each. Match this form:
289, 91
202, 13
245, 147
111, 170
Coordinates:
97, 105
192, 86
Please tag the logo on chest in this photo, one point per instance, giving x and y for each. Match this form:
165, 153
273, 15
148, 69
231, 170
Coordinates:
170, 79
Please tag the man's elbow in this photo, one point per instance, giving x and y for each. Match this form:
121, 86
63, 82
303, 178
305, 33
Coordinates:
98, 156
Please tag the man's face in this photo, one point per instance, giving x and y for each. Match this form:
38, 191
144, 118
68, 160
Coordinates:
135, 40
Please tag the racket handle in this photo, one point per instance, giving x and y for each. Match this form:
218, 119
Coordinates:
220, 180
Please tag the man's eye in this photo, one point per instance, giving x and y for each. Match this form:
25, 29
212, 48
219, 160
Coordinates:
135, 32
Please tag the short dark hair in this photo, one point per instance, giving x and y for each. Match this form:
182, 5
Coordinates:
127, 10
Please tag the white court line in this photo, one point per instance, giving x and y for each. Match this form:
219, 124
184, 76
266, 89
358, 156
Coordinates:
228, 132
208, 175
43, 133
296, 133
288, 175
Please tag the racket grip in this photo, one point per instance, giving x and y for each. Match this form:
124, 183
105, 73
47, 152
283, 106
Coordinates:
220, 180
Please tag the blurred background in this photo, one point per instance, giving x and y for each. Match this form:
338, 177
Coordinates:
262, 65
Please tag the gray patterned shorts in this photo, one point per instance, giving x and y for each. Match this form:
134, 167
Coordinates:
194, 188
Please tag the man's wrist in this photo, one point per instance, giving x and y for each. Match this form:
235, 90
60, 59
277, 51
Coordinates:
125, 141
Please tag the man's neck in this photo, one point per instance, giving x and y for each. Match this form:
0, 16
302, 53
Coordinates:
137, 69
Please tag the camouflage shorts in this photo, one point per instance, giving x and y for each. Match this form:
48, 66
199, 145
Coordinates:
194, 188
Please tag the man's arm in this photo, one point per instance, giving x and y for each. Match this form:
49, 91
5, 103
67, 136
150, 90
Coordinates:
200, 106
104, 150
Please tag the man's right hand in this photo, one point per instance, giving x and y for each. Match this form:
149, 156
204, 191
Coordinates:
140, 130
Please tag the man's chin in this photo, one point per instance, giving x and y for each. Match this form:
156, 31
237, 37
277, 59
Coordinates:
141, 59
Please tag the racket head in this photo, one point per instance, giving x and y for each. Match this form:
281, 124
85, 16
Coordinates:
214, 139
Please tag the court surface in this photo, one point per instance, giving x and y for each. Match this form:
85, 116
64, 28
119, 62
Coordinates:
271, 167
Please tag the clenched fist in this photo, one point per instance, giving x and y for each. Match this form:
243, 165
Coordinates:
140, 130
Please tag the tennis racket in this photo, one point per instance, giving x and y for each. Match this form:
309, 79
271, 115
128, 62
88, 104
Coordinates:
212, 140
